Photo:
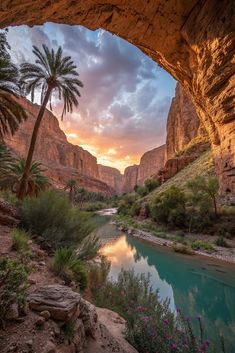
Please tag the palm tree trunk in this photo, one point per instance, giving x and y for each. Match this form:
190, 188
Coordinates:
24, 181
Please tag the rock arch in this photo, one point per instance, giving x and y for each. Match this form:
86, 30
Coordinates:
194, 40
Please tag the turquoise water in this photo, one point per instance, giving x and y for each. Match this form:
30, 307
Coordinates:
198, 286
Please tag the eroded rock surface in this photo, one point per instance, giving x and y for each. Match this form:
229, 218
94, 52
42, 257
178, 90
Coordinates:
111, 176
60, 301
193, 40
62, 160
183, 123
150, 163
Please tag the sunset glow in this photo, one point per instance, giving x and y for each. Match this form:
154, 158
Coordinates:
125, 99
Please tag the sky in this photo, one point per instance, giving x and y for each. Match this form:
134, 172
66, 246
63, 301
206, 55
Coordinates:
125, 99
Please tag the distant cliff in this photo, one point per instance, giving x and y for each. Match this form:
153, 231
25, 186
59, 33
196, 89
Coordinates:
61, 159
111, 176
183, 124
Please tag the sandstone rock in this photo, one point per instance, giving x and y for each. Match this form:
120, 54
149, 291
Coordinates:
60, 301
61, 159
183, 123
46, 314
40, 321
79, 335
111, 176
13, 312
130, 178
150, 163
195, 44
89, 317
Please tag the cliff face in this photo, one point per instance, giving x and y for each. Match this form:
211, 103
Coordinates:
183, 123
150, 163
130, 178
61, 159
111, 176
195, 44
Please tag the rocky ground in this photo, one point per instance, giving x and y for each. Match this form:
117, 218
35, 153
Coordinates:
220, 253
51, 306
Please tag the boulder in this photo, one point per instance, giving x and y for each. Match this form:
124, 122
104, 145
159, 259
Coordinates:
60, 301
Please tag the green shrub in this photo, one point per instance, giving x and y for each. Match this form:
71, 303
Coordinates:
94, 206
169, 207
201, 245
53, 217
66, 265
141, 190
124, 207
220, 241
150, 323
20, 240
182, 249
135, 209
98, 274
151, 184
13, 283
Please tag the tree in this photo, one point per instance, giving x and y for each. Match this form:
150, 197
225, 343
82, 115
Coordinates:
151, 184
6, 161
52, 73
202, 187
11, 112
71, 185
36, 181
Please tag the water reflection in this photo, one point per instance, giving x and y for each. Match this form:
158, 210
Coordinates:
194, 286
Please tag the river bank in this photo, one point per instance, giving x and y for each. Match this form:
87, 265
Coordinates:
219, 253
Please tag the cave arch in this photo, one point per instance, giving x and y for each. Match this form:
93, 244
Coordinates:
194, 40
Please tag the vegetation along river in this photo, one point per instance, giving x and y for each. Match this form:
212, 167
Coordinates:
198, 286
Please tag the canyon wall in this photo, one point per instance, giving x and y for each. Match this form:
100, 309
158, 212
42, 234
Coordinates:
150, 163
193, 40
61, 159
111, 176
130, 178
183, 123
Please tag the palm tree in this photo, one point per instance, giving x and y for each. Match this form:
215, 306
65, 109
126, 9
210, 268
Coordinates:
36, 182
51, 73
11, 112
71, 185
6, 161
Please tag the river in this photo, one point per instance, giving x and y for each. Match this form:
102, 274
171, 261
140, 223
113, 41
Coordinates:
196, 285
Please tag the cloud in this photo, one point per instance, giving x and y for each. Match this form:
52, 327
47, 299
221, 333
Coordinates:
124, 104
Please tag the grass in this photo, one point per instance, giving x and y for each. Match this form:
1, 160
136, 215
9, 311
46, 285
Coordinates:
182, 249
202, 166
201, 245
20, 240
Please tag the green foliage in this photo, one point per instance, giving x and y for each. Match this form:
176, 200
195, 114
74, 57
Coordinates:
13, 282
141, 190
135, 209
6, 161
182, 249
220, 241
126, 203
9, 196
94, 206
20, 240
98, 274
52, 216
88, 248
150, 323
151, 184
201, 245
204, 191
11, 112
36, 181
69, 328
169, 207
66, 264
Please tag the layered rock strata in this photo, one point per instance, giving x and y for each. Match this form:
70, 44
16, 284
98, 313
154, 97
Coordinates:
195, 43
61, 160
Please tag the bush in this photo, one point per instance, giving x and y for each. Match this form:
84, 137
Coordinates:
126, 203
201, 245
13, 283
150, 323
66, 265
53, 217
220, 241
141, 190
135, 209
182, 249
169, 207
151, 184
20, 240
98, 274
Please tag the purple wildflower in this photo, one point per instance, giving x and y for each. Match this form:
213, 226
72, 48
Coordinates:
165, 322
173, 346
198, 317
